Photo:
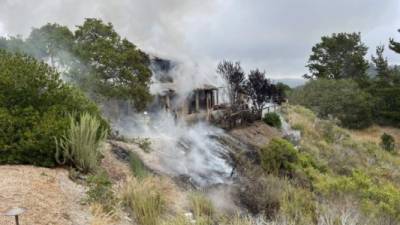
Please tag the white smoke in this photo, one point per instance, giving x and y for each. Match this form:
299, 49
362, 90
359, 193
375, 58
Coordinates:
158, 27
193, 151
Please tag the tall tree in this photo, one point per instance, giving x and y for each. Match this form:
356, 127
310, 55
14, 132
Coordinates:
381, 64
233, 74
51, 42
338, 56
395, 46
260, 89
342, 99
119, 70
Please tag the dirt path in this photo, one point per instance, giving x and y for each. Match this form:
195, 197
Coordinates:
49, 196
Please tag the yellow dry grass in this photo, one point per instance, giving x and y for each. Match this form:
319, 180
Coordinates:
374, 133
150, 198
100, 217
49, 196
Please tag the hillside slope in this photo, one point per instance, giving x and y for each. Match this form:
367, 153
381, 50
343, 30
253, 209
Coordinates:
49, 196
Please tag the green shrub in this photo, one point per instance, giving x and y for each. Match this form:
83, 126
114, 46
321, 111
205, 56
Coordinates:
137, 166
387, 142
34, 109
80, 144
279, 157
100, 190
273, 120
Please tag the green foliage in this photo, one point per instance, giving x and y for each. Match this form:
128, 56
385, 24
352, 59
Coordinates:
340, 99
283, 91
339, 56
395, 46
386, 109
380, 199
279, 157
80, 146
273, 120
137, 166
117, 68
51, 41
387, 142
100, 190
34, 109
381, 63
95, 58
340, 167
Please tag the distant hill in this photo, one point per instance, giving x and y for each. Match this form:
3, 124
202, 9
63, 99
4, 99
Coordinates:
292, 82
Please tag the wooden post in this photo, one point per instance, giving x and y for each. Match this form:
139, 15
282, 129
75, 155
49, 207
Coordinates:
217, 93
197, 101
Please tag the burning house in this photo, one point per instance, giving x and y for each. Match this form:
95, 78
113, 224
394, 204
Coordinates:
200, 104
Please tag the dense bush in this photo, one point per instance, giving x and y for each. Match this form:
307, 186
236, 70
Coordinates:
387, 142
273, 119
386, 103
340, 99
34, 109
279, 157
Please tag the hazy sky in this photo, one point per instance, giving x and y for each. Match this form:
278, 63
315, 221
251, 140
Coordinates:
275, 35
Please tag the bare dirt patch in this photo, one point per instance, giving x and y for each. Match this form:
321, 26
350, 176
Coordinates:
257, 135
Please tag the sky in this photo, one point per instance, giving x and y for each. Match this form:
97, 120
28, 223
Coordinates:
275, 36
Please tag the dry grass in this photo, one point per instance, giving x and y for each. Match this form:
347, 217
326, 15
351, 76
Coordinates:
202, 208
49, 196
100, 217
149, 198
146, 200
374, 133
179, 220
237, 219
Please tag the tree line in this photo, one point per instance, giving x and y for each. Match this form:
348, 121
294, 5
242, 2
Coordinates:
94, 57
346, 86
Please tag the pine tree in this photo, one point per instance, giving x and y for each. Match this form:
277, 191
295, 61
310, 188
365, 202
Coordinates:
395, 46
